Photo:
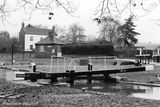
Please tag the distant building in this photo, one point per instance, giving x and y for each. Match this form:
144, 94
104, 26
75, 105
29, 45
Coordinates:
30, 35
48, 46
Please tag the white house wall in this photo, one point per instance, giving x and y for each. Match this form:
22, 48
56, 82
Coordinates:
36, 38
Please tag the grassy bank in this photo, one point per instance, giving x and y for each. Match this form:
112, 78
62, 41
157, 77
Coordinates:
53, 96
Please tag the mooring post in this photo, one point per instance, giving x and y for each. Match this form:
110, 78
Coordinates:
89, 78
107, 77
54, 79
12, 53
71, 74
33, 66
90, 66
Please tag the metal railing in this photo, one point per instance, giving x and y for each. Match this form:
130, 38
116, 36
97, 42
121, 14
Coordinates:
68, 63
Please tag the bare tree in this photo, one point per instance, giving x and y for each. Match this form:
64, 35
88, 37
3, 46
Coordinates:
29, 6
4, 40
105, 7
114, 7
76, 34
108, 29
61, 31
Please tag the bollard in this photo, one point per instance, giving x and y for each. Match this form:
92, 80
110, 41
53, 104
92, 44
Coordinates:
71, 76
83, 89
33, 65
2, 63
89, 75
106, 76
90, 66
158, 59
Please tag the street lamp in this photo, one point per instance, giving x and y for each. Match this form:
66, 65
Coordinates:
12, 52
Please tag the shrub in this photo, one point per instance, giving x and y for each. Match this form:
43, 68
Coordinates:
89, 49
126, 53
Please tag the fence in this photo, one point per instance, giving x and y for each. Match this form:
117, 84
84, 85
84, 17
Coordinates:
61, 64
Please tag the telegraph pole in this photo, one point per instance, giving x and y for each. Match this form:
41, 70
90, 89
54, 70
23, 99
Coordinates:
12, 46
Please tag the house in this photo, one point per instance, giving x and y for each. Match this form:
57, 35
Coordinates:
29, 35
48, 46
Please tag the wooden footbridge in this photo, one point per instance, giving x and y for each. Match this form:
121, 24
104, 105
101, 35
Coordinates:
73, 75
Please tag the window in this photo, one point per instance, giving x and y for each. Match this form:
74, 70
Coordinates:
31, 38
41, 49
53, 50
31, 47
49, 46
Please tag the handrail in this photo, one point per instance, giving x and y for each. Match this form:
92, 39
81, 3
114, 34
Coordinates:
72, 61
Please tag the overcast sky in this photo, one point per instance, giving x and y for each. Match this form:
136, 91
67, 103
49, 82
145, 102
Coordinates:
146, 26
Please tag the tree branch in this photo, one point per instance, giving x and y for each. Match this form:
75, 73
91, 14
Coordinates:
30, 6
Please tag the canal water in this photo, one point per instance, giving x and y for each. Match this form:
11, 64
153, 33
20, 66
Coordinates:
139, 91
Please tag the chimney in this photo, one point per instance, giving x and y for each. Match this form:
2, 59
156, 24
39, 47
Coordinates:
50, 35
22, 25
54, 31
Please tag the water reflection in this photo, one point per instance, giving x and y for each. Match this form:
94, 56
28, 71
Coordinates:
124, 89
150, 92
107, 87
2, 74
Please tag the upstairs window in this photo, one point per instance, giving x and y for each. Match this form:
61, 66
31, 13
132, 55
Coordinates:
31, 38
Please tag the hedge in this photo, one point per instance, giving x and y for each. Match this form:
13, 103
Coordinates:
88, 49
125, 53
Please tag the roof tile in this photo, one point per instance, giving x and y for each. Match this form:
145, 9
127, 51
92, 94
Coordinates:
35, 31
49, 41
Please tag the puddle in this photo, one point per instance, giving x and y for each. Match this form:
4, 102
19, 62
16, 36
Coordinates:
149, 92
138, 91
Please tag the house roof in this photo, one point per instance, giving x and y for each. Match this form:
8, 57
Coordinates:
50, 41
36, 31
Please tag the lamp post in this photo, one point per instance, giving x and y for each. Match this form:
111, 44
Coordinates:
12, 52
12, 46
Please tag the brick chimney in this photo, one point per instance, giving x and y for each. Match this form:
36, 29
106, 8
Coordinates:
22, 25
52, 33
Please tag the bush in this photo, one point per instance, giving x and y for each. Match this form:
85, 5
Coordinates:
89, 49
126, 53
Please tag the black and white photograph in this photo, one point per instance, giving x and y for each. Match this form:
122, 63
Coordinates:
79, 53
